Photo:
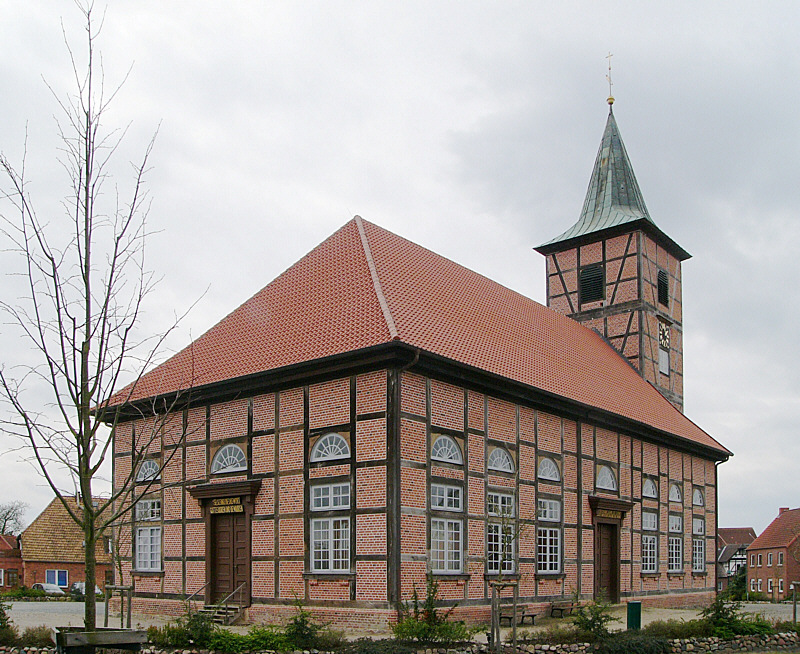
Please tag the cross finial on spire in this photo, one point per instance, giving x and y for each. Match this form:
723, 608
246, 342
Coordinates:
610, 83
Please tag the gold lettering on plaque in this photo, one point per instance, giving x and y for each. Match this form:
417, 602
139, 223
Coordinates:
607, 513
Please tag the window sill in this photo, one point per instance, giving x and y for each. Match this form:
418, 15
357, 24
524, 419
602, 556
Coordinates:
676, 573
650, 575
699, 573
147, 573
497, 577
334, 575
450, 575
550, 575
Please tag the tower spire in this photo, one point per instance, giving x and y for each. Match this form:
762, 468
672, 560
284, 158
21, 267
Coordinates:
610, 83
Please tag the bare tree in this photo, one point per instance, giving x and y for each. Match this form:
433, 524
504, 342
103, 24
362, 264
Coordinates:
85, 281
11, 517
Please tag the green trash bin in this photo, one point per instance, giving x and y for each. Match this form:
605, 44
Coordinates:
634, 615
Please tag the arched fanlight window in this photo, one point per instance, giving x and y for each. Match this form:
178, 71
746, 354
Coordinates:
445, 448
148, 471
229, 458
549, 470
649, 488
697, 497
500, 459
330, 446
675, 494
606, 478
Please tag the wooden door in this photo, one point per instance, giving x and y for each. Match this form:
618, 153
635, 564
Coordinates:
230, 558
607, 563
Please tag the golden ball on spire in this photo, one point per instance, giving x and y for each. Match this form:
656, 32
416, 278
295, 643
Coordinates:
610, 100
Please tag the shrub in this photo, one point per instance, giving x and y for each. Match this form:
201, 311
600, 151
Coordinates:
37, 637
22, 592
593, 619
425, 624
8, 632
170, 635
726, 620
263, 638
223, 640
677, 629
559, 633
633, 642
301, 630
786, 626
199, 628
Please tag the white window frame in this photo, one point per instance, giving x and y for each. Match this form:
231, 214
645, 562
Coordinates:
752, 585
752, 560
760, 560
500, 460
149, 470
675, 493
780, 586
548, 470
330, 447
548, 510
769, 559
2, 580
500, 504
330, 497
650, 520
447, 539
759, 585
445, 497
148, 548
55, 574
649, 553
675, 523
647, 484
606, 479
698, 499
699, 526
147, 510
548, 550
698, 555
769, 585
675, 554
780, 558
229, 458
445, 448
499, 548
330, 544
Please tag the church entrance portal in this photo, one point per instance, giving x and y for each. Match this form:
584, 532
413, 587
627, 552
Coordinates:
230, 554
607, 515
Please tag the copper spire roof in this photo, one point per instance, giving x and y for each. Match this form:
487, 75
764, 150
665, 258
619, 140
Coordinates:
614, 198
365, 286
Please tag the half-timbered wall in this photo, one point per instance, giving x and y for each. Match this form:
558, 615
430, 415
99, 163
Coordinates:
390, 550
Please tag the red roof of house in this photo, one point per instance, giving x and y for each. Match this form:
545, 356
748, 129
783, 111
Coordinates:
365, 286
8, 542
780, 532
735, 535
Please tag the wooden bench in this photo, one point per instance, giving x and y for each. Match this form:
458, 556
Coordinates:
563, 608
523, 612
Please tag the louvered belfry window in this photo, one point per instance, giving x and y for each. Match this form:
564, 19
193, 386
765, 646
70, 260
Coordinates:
663, 288
590, 284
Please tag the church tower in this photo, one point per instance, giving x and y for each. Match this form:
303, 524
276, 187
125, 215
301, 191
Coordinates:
616, 272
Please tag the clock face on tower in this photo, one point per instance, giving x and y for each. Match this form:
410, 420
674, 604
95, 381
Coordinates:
663, 335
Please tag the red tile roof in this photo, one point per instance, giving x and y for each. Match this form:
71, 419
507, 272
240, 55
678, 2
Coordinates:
781, 531
365, 286
736, 535
8, 542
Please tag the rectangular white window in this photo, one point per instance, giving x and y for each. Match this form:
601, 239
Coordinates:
675, 524
548, 549
649, 520
500, 504
780, 558
649, 553
57, 577
759, 585
446, 545
752, 560
330, 545
445, 498
2, 581
675, 554
752, 585
769, 585
759, 560
330, 497
769, 560
698, 526
698, 555
780, 586
148, 549
148, 510
549, 510
499, 549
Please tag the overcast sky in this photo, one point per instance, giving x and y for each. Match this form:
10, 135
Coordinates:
470, 128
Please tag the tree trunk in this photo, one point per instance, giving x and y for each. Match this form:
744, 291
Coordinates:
90, 562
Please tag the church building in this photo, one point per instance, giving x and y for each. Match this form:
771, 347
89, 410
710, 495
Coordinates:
379, 414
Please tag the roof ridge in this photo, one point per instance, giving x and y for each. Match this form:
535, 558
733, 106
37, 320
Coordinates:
376, 282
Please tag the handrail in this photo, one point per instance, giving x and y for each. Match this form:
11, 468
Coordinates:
188, 600
224, 602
